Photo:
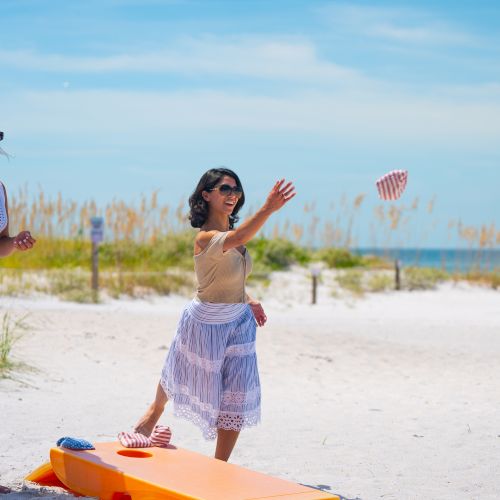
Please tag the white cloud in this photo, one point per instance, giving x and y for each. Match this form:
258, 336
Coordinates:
401, 25
391, 119
247, 57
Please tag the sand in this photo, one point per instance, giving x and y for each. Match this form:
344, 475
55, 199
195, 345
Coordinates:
389, 396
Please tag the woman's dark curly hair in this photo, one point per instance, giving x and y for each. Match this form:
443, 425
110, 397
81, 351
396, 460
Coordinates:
198, 207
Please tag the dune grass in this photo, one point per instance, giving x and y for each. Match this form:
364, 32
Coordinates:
11, 330
147, 248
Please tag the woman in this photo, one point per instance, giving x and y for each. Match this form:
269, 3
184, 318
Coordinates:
210, 372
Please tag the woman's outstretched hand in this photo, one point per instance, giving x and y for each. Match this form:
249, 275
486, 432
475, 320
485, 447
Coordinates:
258, 312
280, 194
24, 241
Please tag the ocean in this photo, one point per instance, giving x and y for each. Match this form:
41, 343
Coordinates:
451, 260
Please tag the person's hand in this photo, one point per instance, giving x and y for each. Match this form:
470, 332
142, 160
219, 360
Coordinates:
258, 312
280, 194
24, 241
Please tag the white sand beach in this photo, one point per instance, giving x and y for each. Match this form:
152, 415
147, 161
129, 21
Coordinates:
389, 396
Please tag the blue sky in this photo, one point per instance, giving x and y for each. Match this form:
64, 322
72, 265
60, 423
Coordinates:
110, 99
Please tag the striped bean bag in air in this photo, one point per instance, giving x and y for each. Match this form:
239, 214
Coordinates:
391, 186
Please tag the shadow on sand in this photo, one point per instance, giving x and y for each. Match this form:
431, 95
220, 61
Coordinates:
328, 489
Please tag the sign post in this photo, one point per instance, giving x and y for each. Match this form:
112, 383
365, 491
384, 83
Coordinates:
96, 234
397, 277
315, 273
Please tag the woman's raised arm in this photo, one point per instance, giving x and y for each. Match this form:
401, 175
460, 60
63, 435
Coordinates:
280, 194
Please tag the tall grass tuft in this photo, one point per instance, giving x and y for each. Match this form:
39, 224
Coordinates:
12, 329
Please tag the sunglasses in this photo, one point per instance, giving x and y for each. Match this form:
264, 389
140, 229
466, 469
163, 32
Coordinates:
226, 190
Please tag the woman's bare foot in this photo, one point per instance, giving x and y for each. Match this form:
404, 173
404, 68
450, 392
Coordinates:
148, 421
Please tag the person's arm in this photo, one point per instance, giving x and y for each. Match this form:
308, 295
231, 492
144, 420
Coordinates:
277, 198
280, 194
23, 241
6, 244
257, 309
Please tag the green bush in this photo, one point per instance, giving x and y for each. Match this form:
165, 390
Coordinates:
352, 280
380, 282
495, 281
175, 250
277, 254
339, 258
422, 278
51, 253
145, 283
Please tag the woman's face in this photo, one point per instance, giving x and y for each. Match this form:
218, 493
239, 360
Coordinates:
222, 202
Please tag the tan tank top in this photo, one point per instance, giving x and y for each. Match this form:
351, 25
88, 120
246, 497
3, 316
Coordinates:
221, 275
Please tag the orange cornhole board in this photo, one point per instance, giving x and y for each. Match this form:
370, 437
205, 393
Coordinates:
112, 472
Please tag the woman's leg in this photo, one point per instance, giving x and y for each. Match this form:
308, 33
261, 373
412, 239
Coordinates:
225, 443
148, 421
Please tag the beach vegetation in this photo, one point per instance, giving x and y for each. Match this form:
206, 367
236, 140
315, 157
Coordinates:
277, 254
481, 278
148, 246
380, 282
351, 280
423, 278
12, 329
495, 280
340, 258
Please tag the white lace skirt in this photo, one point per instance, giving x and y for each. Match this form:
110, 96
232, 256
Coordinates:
210, 373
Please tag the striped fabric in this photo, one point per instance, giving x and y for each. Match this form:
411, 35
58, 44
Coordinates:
134, 440
391, 186
207, 312
210, 373
160, 437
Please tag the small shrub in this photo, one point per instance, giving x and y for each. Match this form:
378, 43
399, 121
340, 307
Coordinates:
15, 282
352, 280
339, 258
65, 281
422, 278
380, 282
82, 296
175, 249
373, 261
12, 331
141, 284
276, 254
482, 278
495, 281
